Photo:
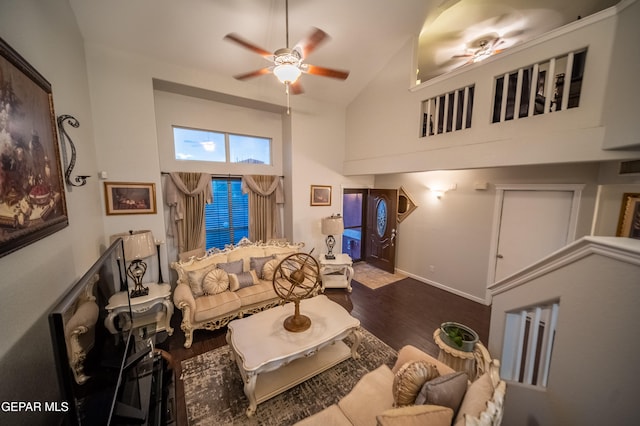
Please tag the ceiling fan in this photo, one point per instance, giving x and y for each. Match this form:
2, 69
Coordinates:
482, 48
288, 63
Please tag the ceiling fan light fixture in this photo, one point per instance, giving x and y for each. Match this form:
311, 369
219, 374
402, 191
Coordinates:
287, 73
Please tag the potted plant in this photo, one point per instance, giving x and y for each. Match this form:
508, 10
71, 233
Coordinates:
458, 336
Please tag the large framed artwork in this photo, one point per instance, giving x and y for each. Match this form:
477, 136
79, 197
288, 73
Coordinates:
629, 222
130, 198
32, 197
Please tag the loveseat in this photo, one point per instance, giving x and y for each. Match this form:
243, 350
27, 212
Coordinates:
226, 284
420, 390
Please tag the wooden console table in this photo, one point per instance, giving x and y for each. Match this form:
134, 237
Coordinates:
142, 309
336, 273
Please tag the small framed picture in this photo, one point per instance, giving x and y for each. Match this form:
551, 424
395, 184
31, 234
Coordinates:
320, 195
130, 198
629, 222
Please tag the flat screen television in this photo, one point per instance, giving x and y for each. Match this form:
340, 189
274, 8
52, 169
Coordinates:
92, 363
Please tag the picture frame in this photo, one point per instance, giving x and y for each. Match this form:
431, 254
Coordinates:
130, 198
629, 221
32, 195
320, 195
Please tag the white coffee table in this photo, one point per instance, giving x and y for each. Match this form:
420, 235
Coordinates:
272, 359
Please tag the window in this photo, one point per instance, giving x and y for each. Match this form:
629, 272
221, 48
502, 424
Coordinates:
227, 218
207, 145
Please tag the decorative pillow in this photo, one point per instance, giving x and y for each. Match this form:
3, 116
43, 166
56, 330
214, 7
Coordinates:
416, 415
409, 380
447, 391
195, 279
476, 398
242, 280
257, 264
231, 267
269, 269
216, 281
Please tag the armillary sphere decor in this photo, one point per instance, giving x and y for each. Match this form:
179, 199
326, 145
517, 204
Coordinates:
297, 278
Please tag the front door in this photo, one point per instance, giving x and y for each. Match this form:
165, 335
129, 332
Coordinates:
381, 229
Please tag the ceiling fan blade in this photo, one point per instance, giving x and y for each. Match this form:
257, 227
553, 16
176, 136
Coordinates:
252, 74
311, 42
325, 72
247, 45
296, 88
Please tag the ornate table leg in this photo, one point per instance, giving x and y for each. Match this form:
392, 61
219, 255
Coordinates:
354, 348
250, 392
168, 310
349, 276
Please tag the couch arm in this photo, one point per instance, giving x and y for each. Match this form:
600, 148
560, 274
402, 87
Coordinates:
411, 353
184, 300
418, 415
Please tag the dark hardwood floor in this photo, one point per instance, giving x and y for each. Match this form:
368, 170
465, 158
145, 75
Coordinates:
405, 312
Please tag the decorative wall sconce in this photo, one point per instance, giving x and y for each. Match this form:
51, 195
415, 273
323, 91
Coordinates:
80, 180
439, 191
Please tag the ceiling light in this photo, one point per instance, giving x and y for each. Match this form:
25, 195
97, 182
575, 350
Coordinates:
287, 73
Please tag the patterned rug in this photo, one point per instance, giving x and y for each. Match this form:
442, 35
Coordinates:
373, 277
214, 392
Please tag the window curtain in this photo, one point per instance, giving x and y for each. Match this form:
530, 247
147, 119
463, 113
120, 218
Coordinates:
266, 195
186, 195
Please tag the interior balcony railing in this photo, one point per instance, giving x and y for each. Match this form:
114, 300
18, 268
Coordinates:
541, 88
448, 112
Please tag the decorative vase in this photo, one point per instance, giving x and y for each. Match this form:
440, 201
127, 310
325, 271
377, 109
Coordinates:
458, 336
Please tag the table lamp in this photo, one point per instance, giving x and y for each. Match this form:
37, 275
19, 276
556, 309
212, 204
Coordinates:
331, 226
137, 246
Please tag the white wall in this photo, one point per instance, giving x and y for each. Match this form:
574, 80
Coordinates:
453, 234
46, 35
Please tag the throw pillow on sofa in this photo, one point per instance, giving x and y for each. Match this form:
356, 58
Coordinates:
216, 281
196, 278
257, 264
269, 269
242, 280
232, 267
446, 391
475, 400
409, 380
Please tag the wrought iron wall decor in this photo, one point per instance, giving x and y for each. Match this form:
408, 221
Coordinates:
80, 180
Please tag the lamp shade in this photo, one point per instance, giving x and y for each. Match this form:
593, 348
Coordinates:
287, 73
332, 225
137, 244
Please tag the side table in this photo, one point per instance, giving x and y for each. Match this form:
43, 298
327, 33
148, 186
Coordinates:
458, 360
142, 309
336, 273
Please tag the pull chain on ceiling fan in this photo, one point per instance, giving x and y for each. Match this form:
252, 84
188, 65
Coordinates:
288, 63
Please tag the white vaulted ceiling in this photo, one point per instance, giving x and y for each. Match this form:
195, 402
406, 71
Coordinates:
365, 34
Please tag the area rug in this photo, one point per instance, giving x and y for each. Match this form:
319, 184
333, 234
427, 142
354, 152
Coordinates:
214, 392
373, 277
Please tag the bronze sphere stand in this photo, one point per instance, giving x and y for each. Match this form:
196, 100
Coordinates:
296, 322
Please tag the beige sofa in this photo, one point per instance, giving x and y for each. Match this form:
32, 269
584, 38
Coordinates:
373, 399
210, 297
